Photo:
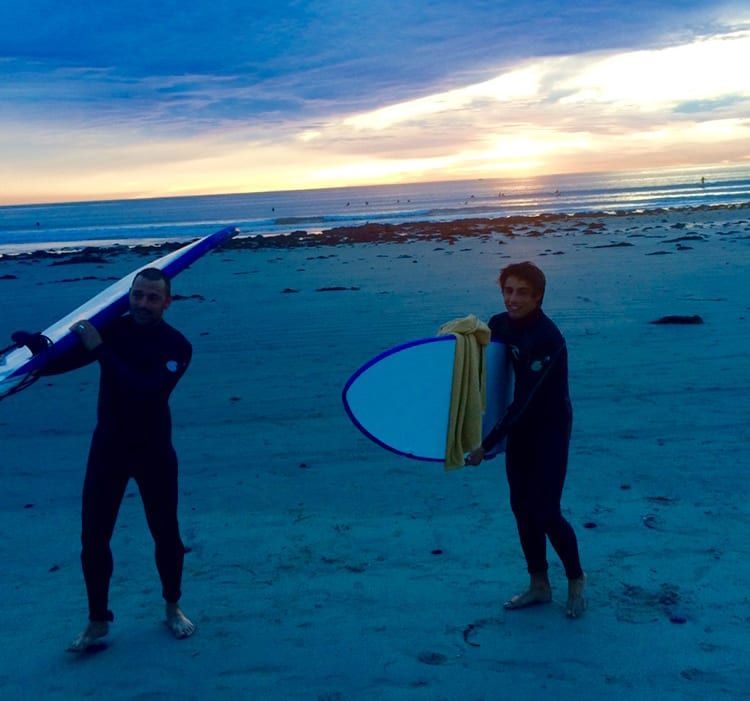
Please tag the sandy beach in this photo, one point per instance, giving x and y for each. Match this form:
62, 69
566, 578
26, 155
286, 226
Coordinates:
322, 567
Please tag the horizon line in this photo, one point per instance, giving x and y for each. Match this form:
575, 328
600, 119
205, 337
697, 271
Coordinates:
142, 198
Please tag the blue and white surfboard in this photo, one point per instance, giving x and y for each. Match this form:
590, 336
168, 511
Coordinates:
20, 367
401, 398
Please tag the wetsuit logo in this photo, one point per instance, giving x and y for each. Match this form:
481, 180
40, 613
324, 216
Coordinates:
172, 365
537, 365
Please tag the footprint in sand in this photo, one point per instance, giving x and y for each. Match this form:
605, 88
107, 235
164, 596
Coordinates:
635, 604
432, 658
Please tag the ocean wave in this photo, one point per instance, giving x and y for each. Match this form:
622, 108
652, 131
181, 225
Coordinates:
294, 221
450, 211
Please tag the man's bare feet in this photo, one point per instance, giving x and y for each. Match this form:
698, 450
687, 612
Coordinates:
576, 601
91, 637
539, 592
178, 622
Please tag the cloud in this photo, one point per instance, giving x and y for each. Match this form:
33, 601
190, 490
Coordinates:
242, 96
735, 103
705, 69
516, 85
301, 57
655, 80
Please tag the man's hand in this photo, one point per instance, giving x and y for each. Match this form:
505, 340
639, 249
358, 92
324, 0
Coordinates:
475, 456
88, 334
35, 342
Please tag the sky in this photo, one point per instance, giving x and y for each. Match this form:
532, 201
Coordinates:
112, 99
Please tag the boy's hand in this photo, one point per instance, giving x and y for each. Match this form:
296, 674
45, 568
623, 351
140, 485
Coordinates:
475, 456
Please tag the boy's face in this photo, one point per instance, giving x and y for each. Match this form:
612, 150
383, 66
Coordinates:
520, 298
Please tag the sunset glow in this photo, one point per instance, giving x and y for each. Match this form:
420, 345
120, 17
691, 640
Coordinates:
71, 129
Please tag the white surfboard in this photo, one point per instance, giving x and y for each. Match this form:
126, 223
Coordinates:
19, 367
401, 398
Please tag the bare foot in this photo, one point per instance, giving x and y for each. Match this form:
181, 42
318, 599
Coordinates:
532, 597
91, 637
178, 622
539, 592
576, 601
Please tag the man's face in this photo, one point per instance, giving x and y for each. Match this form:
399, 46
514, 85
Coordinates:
148, 300
520, 298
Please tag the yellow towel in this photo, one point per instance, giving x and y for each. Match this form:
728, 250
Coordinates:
468, 392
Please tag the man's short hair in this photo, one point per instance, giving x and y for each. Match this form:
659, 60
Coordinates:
528, 272
154, 275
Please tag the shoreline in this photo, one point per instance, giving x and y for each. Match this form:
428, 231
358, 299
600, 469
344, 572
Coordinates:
448, 231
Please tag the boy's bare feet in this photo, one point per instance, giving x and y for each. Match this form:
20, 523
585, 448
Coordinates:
576, 601
90, 637
539, 592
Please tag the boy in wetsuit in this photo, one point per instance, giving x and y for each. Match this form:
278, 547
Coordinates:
142, 358
537, 426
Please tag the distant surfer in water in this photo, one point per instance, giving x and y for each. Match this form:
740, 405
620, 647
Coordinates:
537, 426
142, 358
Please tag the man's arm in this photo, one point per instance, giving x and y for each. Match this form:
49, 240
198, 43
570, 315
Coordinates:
37, 343
137, 380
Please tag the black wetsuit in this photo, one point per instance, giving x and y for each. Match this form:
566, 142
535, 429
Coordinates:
537, 425
140, 366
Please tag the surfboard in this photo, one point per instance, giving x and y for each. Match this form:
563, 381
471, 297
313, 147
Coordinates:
401, 398
19, 367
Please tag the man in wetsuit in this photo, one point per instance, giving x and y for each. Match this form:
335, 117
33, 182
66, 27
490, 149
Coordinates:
141, 359
537, 426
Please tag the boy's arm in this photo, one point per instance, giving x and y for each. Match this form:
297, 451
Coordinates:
516, 410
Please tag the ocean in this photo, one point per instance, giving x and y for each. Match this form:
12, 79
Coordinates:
69, 225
